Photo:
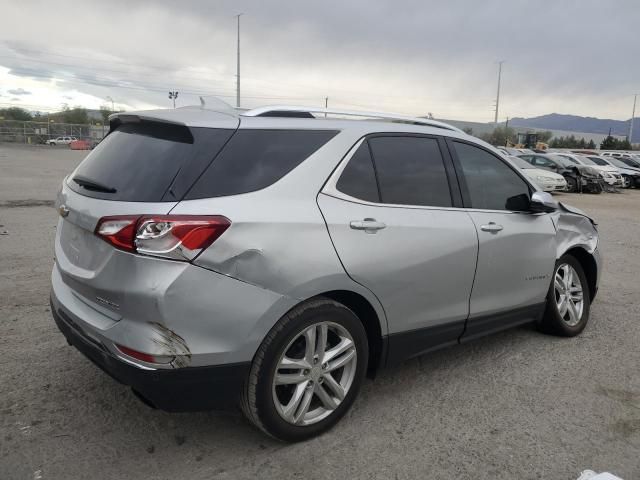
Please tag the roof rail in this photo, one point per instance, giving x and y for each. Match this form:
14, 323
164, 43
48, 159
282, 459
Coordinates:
279, 109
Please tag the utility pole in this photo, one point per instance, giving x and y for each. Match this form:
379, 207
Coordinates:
172, 96
633, 114
498, 94
326, 105
113, 109
238, 65
506, 134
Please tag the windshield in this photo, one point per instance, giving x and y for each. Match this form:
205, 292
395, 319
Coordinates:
630, 162
562, 160
520, 163
587, 161
598, 161
618, 163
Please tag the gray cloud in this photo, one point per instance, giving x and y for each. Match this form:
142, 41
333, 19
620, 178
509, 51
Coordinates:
416, 56
19, 91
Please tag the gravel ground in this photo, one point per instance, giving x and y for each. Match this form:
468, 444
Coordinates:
516, 405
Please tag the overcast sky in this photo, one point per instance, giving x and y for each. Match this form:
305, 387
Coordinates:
580, 57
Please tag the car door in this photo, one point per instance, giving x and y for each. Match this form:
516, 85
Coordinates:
516, 254
393, 212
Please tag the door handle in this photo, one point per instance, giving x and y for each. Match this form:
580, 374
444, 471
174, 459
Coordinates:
491, 227
369, 225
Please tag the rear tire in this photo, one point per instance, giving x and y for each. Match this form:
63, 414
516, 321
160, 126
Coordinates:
299, 386
568, 300
572, 185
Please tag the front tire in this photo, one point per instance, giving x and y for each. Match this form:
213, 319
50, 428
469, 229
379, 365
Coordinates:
572, 185
627, 181
568, 301
307, 372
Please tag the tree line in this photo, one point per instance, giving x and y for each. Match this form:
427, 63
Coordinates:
76, 115
508, 136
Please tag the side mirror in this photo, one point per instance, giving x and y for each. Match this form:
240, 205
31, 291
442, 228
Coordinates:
542, 202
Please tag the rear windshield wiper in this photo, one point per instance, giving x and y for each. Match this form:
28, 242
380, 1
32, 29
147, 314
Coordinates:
93, 185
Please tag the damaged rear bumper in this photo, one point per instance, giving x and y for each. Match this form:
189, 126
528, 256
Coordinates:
180, 389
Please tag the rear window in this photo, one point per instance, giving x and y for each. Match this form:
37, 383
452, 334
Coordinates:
255, 159
147, 162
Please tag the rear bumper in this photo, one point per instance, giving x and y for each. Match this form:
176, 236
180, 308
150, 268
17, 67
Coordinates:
181, 389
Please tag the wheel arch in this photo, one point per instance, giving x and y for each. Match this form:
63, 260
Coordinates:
367, 314
589, 266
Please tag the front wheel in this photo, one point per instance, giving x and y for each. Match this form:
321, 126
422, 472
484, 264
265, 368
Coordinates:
568, 300
307, 371
627, 181
572, 185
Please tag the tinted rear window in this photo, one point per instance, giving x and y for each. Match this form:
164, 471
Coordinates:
148, 162
410, 171
255, 159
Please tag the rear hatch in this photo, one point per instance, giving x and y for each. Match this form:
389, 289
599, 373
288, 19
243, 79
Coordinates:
144, 166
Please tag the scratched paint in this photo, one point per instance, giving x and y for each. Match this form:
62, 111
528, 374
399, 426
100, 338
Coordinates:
171, 344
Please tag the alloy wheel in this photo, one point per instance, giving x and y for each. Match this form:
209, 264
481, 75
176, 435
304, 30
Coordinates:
569, 294
314, 373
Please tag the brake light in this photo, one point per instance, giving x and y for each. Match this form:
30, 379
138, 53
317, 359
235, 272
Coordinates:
179, 237
118, 231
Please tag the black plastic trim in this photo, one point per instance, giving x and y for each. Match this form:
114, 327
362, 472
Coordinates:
488, 324
405, 345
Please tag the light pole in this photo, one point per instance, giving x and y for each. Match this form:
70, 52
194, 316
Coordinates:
113, 108
633, 114
172, 96
238, 65
498, 94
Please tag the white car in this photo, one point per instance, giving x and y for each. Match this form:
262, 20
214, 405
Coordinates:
630, 175
610, 174
546, 180
61, 141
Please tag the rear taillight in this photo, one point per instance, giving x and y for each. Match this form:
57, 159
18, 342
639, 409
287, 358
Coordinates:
179, 237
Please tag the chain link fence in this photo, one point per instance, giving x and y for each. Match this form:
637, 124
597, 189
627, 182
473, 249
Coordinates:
35, 133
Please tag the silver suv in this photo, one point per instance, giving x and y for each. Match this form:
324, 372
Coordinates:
273, 259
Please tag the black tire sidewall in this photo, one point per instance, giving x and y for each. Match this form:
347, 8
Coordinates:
296, 321
552, 319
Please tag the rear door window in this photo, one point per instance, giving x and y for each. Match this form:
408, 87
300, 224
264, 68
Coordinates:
255, 159
410, 171
144, 162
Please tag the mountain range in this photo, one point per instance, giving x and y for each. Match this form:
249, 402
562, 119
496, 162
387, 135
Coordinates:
575, 123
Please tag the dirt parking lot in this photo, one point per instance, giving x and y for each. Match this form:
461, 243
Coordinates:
517, 405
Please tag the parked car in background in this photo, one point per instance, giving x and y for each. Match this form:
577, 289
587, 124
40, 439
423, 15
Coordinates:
630, 176
272, 261
61, 141
509, 150
610, 174
547, 180
630, 161
622, 155
580, 178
